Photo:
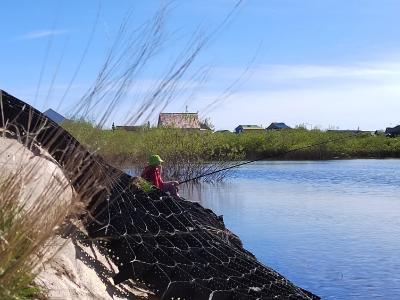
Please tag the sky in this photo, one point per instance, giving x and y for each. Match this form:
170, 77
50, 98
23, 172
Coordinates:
324, 64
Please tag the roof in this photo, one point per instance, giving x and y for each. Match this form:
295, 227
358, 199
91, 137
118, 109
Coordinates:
392, 130
222, 131
278, 125
179, 120
250, 127
348, 131
54, 116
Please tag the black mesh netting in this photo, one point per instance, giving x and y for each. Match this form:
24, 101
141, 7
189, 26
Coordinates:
176, 248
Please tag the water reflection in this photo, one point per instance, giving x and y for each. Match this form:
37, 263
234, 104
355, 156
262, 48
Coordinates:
331, 227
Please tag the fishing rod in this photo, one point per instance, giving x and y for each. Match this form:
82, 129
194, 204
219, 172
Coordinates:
264, 157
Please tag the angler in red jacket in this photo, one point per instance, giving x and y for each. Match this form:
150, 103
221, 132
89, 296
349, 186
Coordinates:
152, 173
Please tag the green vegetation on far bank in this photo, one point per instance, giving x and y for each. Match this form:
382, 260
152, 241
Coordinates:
132, 147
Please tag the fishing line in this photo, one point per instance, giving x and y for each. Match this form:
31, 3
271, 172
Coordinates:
272, 156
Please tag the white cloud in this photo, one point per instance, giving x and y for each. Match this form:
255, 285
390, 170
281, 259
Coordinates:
328, 72
365, 95
370, 108
286, 74
41, 34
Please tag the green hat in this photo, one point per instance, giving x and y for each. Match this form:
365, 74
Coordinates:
155, 160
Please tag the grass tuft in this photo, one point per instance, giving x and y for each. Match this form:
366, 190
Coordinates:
17, 241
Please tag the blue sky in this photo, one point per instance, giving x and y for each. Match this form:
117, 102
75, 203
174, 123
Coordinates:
330, 63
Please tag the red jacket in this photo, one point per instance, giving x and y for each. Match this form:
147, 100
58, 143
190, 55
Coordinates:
153, 174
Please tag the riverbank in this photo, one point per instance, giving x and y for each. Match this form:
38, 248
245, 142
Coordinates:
122, 147
39, 260
175, 249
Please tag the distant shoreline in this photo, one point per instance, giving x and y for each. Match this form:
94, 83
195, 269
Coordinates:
124, 161
121, 147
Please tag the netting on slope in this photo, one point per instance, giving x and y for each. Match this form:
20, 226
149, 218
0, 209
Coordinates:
176, 248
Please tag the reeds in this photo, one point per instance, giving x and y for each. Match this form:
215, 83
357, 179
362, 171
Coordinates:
30, 214
30, 218
187, 154
191, 153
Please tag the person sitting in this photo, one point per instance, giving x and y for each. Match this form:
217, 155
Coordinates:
152, 173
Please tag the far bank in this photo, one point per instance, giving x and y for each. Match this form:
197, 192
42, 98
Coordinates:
121, 147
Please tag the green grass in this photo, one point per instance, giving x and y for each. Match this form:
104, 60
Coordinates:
124, 148
186, 154
17, 241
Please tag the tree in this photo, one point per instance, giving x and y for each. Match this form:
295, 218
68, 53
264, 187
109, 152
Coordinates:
206, 124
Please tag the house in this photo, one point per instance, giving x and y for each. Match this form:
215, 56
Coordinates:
349, 131
222, 131
277, 126
54, 116
248, 128
186, 120
393, 131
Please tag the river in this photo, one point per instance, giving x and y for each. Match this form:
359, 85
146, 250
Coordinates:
331, 227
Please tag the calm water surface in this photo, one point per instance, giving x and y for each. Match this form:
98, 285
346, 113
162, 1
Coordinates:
331, 227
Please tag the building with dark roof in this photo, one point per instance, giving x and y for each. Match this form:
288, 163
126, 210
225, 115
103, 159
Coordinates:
277, 126
223, 131
393, 131
248, 128
54, 116
349, 131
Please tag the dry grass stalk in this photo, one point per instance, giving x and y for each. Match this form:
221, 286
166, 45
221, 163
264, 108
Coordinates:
28, 225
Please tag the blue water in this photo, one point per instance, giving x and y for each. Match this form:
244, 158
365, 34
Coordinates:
331, 227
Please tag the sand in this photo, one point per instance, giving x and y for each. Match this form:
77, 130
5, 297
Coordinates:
78, 270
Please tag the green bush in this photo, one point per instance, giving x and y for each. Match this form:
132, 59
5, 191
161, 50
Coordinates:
180, 147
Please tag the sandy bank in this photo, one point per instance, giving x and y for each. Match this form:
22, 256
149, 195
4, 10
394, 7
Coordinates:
75, 268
